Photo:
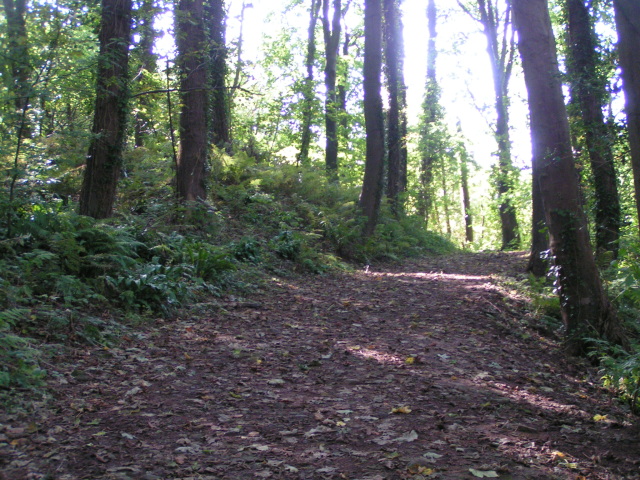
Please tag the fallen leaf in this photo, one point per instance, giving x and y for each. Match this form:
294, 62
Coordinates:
260, 448
403, 409
407, 437
483, 473
133, 391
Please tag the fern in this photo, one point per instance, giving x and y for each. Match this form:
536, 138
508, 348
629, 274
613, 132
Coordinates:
18, 360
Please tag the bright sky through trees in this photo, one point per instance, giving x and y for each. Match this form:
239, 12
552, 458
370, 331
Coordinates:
463, 67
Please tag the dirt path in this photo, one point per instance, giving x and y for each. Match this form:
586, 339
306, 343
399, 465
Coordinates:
414, 373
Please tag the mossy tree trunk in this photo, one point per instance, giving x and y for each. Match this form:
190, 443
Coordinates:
396, 115
332, 30
373, 114
192, 49
104, 159
588, 91
627, 13
586, 309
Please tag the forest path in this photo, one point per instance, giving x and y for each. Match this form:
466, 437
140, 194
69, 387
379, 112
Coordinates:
421, 372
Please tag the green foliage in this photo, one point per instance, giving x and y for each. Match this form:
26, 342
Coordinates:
18, 358
621, 372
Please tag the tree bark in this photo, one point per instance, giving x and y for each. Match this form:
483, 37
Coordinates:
104, 159
331, 29
431, 114
308, 92
586, 310
148, 64
192, 49
466, 198
627, 13
18, 58
538, 263
396, 115
219, 98
501, 53
373, 114
589, 91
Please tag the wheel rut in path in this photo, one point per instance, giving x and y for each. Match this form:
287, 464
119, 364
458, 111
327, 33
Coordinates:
420, 371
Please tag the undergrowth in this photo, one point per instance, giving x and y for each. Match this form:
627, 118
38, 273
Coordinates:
619, 369
68, 280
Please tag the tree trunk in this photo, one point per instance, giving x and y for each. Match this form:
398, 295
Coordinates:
589, 90
308, 92
396, 116
586, 310
148, 66
628, 26
219, 97
192, 49
466, 198
342, 84
104, 159
331, 29
431, 114
18, 58
538, 263
501, 53
373, 115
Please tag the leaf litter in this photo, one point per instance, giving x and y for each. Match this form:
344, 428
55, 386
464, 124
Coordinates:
417, 371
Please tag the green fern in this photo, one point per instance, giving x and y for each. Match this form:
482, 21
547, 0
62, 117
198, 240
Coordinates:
18, 360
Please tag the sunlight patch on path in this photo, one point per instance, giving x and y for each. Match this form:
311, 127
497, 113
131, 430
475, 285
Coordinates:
431, 276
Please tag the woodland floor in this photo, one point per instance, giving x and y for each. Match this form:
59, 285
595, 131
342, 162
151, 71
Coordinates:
415, 372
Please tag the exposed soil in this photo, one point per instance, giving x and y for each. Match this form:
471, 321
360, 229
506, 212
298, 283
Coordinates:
423, 371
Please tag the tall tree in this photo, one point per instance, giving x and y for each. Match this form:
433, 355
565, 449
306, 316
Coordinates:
373, 114
147, 66
537, 264
588, 90
192, 50
104, 158
431, 114
331, 29
585, 307
496, 24
308, 92
627, 13
464, 184
18, 58
219, 97
396, 116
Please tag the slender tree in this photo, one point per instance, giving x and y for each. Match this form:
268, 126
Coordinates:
396, 115
464, 184
147, 66
343, 79
586, 310
237, 76
497, 29
588, 91
431, 114
374, 119
218, 98
192, 50
104, 158
18, 58
627, 13
331, 28
308, 92
537, 264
